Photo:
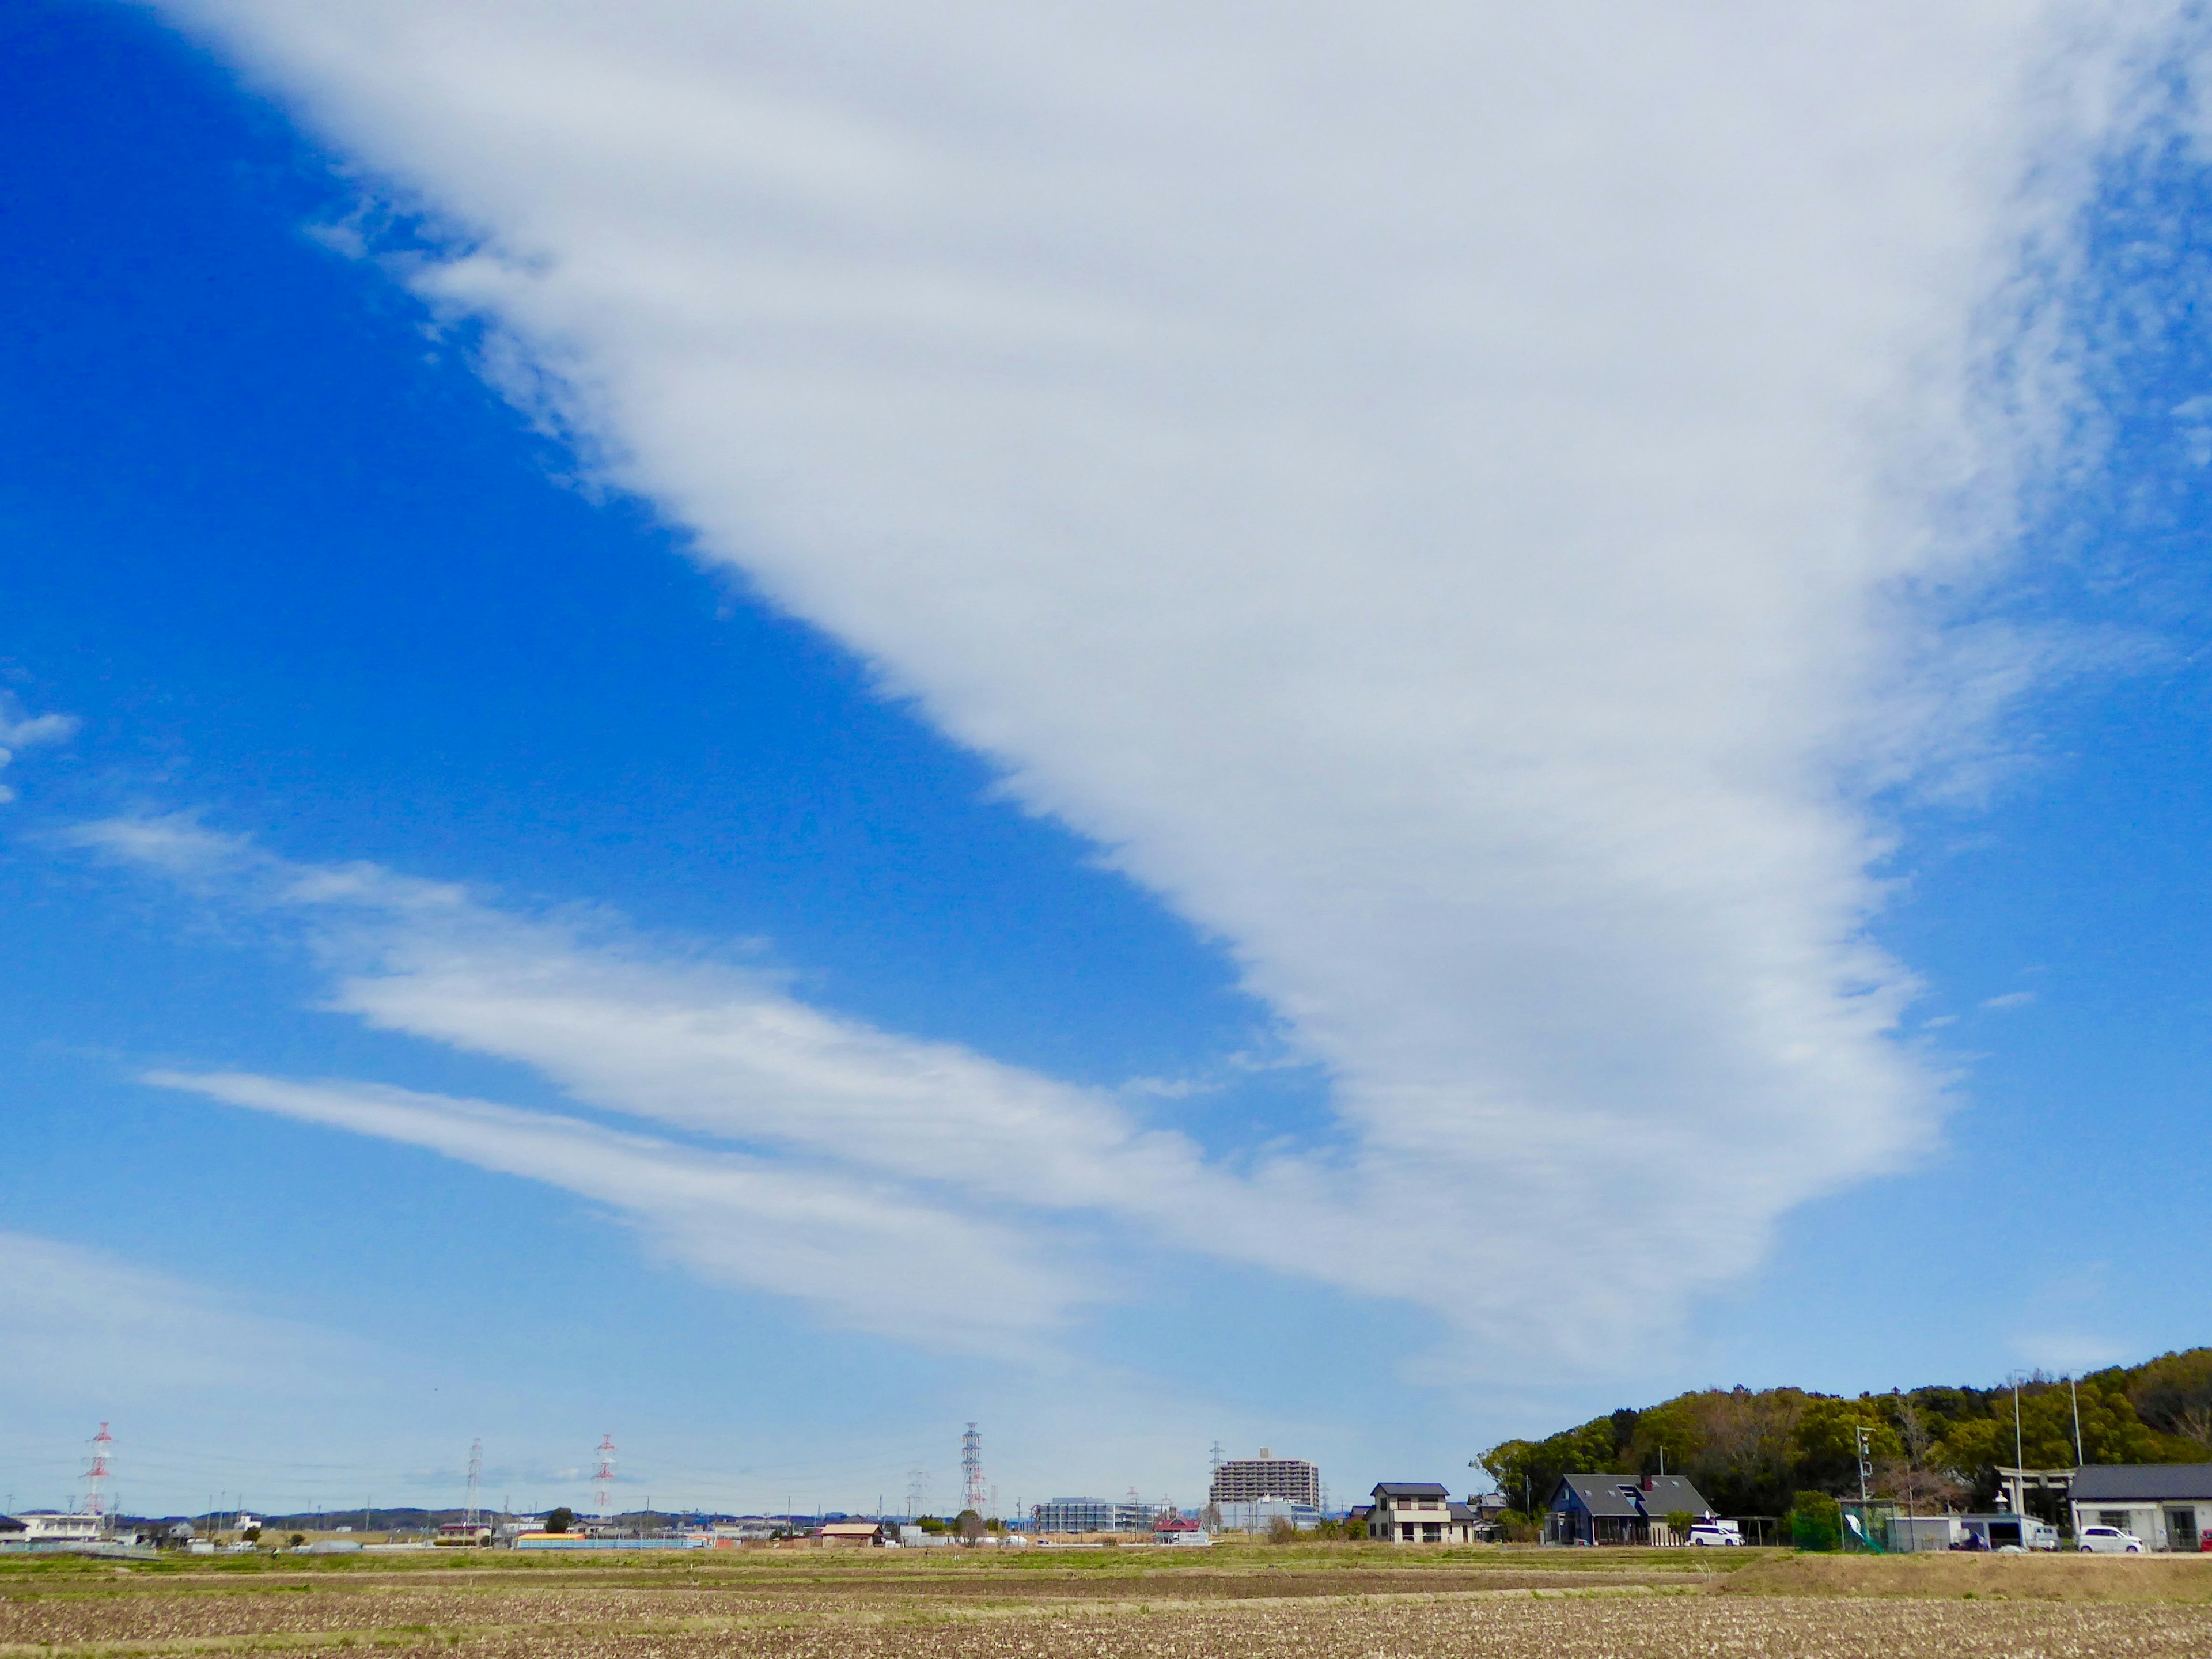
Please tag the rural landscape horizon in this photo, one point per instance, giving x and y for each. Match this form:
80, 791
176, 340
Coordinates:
1388, 820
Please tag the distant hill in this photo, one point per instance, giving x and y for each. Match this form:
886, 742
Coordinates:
1749, 1452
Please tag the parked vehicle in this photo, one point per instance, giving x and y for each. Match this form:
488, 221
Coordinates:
1716, 1535
2109, 1541
2009, 1534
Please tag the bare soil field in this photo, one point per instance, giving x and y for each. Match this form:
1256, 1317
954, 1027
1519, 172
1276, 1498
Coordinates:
1228, 1603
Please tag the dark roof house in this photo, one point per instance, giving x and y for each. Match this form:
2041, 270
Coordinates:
1618, 1509
2146, 1483
2168, 1505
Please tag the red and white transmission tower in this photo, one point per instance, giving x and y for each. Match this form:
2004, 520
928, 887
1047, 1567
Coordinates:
95, 1478
604, 1476
973, 1493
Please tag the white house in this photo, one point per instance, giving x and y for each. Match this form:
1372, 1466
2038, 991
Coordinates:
1419, 1512
52, 1527
2168, 1505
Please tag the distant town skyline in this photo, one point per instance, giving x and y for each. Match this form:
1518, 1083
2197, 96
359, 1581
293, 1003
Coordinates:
771, 730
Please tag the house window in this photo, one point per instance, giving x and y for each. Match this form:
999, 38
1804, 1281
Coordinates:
2113, 1518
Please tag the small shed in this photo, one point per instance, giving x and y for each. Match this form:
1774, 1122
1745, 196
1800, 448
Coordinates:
1619, 1509
850, 1536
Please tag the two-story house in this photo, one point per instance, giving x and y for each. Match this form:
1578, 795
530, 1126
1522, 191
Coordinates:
1419, 1512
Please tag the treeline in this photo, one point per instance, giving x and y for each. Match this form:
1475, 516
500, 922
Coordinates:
1751, 1452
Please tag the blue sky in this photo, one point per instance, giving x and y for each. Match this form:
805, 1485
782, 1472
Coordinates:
769, 736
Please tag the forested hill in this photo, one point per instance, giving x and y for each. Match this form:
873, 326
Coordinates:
1750, 1452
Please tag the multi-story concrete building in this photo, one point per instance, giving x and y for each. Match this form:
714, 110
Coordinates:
1255, 1480
1093, 1515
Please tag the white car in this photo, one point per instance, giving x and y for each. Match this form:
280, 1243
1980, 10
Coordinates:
2109, 1541
1716, 1535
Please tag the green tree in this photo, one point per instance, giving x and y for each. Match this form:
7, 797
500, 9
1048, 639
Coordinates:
1825, 1445
1529, 1470
2173, 1396
1669, 1438
1816, 1521
561, 1520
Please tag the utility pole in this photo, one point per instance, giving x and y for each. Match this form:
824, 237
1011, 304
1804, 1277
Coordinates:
2071, 1388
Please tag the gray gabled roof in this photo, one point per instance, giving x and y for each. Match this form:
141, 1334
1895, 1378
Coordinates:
1410, 1489
1622, 1495
2152, 1483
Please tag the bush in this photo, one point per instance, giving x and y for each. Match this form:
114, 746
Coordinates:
298, 1539
1816, 1521
1679, 1522
1282, 1530
1514, 1528
561, 1520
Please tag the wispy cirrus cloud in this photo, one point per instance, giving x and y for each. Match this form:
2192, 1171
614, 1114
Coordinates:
864, 1255
1439, 494
21, 731
888, 1183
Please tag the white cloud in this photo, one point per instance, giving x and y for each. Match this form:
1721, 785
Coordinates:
865, 1255
21, 731
2009, 1000
882, 1170
1429, 487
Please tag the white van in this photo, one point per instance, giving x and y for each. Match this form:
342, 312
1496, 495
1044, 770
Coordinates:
1710, 1534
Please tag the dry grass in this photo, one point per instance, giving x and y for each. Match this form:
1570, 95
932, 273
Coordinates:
2090, 1578
1350, 1603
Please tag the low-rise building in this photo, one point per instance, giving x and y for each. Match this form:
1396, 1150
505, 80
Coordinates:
2168, 1505
1419, 1512
1619, 1509
1093, 1515
850, 1535
54, 1527
1262, 1516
